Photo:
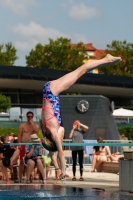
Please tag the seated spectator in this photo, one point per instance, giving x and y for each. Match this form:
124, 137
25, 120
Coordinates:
99, 155
115, 157
12, 138
34, 157
6, 152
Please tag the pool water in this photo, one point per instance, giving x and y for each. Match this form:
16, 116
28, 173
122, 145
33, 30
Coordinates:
52, 192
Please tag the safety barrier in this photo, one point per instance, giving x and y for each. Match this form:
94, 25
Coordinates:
115, 145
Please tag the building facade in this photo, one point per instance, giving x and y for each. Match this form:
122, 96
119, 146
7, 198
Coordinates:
24, 86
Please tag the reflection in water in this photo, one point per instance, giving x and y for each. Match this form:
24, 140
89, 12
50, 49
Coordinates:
53, 192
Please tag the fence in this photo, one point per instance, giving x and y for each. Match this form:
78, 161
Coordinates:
88, 157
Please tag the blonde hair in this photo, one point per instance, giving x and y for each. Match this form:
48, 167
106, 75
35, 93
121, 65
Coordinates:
11, 134
47, 142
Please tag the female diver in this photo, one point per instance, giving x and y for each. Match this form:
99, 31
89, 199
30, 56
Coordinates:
51, 119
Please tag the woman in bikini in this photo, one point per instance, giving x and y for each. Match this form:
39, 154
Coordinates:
51, 118
99, 155
115, 157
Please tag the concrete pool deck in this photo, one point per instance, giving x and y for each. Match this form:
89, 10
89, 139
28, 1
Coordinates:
106, 181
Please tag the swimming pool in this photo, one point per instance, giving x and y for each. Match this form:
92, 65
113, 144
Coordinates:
53, 192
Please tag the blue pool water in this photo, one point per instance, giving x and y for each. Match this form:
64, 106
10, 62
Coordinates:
51, 192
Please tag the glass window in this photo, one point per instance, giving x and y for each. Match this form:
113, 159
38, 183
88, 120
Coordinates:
14, 98
90, 53
27, 98
3, 90
131, 120
38, 98
23, 91
4, 116
13, 90
15, 114
24, 112
38, 113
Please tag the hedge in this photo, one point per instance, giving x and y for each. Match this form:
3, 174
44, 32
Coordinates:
124, 131
6, 131
127, 132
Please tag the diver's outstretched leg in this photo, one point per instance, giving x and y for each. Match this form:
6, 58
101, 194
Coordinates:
63, 83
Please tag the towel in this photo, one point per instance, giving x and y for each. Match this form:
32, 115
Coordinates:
88, 149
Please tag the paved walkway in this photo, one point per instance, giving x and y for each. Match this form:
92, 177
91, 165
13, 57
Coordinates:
106, 181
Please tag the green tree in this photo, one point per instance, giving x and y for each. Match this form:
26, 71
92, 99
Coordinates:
125, 51
131, 104
5, 103
58, 54
7, 54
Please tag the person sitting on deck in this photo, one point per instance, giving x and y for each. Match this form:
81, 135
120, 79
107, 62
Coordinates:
99, 155
115, 157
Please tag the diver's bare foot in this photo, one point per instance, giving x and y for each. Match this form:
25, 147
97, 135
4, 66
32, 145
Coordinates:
44, 181
93, 170
111, 59
58, 173
55, 181
49, 177
67, 176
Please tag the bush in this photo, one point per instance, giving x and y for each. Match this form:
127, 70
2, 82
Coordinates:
124, 131
127, 132
5, 103
6, 131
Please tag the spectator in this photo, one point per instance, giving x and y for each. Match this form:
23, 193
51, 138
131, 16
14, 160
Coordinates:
77, 137
34, 157
25, 131
115, 157
6, 152
99, 155
12, 138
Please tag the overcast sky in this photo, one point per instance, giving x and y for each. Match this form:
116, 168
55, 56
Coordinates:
28, 22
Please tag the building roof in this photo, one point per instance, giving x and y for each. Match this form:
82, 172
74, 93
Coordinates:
88, 46
34, 78
99, 53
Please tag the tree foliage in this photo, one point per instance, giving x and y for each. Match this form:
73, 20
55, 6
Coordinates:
5, 103
125, 51
131, 104
58, 54
127, 132
7, 54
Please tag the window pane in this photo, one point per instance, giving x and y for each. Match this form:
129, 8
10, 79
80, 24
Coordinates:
15, 113
26, 98
14, 98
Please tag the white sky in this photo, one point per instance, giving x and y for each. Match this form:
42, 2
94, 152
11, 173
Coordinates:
28, 22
